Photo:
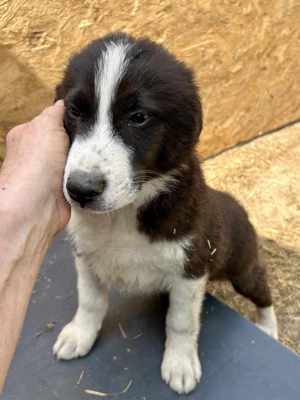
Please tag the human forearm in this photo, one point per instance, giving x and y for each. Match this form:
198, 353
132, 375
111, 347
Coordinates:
23, 244
32, 210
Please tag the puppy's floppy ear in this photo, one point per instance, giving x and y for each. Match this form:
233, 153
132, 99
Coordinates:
198, 118
59, 92
62, 89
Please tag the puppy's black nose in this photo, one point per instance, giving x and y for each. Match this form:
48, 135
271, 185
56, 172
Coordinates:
84, 187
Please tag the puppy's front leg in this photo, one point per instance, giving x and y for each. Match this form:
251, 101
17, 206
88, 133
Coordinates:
77, 337
181, 367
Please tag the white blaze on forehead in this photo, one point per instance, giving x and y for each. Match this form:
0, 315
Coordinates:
111, 68
101, 150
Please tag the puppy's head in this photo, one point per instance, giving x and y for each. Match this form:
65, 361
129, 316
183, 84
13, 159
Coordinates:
132, 114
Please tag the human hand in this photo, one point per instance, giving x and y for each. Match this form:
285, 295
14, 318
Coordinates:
32, 173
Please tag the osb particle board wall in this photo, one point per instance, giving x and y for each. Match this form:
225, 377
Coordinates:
245, 54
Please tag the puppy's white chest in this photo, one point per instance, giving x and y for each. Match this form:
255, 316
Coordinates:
123, 257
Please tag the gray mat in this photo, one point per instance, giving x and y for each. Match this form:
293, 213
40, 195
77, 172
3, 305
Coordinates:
238, 361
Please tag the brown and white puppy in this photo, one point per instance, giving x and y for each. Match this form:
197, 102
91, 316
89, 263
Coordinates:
143, 218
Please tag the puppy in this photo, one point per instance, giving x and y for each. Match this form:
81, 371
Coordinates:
143, 218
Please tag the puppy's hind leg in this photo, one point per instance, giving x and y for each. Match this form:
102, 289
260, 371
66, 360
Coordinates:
252, 283
77, 337
267, 321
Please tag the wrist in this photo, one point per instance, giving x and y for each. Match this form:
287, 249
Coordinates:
21, 208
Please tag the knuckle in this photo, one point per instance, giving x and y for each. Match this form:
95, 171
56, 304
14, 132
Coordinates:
43, 119
48, 112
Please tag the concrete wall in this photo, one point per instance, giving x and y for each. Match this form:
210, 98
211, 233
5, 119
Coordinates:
245, 54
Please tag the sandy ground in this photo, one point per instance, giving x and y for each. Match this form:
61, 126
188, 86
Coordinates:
264, 176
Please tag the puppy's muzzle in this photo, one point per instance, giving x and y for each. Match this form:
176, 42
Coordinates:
84, 187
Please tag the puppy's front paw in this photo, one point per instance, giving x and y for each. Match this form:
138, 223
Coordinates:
74, 341
181, 370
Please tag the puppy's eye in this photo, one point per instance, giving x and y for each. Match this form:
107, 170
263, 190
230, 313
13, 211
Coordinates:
74, 111
138, 118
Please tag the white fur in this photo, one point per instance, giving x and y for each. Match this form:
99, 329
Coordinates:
100, 151
123, 257
77, 337
155, 186
181, 367
267, 321
111, 68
